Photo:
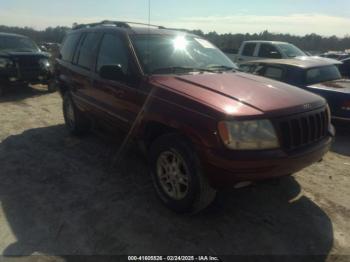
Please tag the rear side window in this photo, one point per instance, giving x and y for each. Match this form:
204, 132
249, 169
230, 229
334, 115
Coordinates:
249, 49
68, 47
322, 74
274, 72
269, 51
87, 50
113, 52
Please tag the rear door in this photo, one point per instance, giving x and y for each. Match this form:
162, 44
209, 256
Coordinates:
84, 62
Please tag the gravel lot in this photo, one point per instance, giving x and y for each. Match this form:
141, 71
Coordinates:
59, 195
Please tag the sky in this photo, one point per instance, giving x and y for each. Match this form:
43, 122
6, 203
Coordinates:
299, 17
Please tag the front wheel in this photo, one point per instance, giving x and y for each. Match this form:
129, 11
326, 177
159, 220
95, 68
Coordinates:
51, 86
75, 121
177, 175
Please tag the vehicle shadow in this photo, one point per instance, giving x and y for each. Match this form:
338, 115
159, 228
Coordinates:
341, 143
23, 92
60, 196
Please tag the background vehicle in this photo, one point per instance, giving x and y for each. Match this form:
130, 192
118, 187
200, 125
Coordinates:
203, 124
317, 75
22, 63
336, 55
254, 50
344, 68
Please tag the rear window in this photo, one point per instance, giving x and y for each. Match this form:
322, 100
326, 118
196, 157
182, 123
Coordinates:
249, 49
322, 74
68, 47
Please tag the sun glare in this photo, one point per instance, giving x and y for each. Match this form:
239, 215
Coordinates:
180, 43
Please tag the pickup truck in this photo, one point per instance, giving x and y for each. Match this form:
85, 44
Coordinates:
255, 50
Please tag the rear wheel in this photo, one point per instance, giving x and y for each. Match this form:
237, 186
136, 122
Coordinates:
75, 121
177, 175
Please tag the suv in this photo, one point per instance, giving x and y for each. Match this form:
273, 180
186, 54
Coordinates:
203, 124
22, 62
253, 50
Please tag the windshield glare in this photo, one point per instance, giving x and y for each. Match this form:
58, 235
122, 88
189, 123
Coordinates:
164, 52
322, 74
17, 44
291, 50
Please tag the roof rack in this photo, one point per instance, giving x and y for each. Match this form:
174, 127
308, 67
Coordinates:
121, 24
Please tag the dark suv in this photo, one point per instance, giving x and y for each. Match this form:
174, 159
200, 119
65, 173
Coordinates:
22, 62
204, 125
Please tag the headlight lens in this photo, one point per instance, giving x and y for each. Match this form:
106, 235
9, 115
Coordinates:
44, 62
248, 135
4, 62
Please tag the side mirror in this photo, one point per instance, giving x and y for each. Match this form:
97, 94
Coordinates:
275, 54
112, 72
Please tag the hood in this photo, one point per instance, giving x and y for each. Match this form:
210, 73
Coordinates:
21, 54
248, 91
341, 85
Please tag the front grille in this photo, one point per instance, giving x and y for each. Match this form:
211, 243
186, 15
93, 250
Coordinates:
28, 62
303, 129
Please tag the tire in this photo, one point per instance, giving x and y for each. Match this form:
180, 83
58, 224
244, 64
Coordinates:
170, 180
75, 121
1, 91
51, 86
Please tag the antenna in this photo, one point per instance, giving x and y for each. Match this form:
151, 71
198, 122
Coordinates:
149, 12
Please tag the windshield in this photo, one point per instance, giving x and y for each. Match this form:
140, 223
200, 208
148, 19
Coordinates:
17, 44
170, 54
291, 50
322, 74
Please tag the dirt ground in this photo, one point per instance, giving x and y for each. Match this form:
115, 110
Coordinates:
60, 196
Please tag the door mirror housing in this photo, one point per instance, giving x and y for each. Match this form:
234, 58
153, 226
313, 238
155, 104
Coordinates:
112, 72
275, 54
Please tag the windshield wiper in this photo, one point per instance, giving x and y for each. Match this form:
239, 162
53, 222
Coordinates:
180, 69
223, 68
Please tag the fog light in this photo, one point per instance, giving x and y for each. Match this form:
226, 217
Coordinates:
13, 79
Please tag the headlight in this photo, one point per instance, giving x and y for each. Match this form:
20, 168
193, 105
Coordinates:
4, 62
248, 135
44, 62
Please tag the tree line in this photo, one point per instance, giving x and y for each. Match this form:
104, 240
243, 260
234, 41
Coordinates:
227, 42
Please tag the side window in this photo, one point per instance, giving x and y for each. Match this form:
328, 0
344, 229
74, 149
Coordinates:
68, 47
248, 49
248, 68
269, 51
113, 52
87, 50
274, 72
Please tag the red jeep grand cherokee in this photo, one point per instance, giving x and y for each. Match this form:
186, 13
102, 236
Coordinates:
204, 124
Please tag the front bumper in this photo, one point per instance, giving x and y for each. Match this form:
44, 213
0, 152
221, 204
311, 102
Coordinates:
15, 77
226, 168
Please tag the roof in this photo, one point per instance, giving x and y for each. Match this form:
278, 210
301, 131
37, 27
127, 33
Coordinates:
12, 35
302, 62
130, 28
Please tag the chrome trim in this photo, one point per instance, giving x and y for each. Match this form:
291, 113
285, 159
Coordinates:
340, 118
102, 109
